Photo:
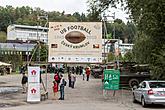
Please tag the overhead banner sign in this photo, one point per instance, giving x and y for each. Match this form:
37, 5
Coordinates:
75, 42
33, 84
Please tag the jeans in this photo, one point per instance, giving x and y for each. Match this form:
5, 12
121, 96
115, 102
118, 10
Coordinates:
72, 84
62, 92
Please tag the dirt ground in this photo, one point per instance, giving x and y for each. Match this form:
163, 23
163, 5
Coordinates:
85, 93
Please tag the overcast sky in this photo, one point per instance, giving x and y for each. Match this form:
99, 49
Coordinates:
69, 6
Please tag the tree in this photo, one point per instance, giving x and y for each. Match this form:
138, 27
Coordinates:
40, 50
148, 15
94, 11
77, 16
111, 57
3, 36
128, 57
158, 64
131, 32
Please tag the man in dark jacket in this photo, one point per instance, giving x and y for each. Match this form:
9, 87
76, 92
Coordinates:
24, 82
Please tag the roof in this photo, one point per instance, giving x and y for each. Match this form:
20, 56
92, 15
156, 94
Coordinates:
17, 46
27, 26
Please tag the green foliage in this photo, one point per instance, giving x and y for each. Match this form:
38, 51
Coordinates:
94, 11
41, 50
143, 48
128, 57
27, 16
3, 37
111, 57
148, 15
158, 63
126, 32
109, 36
15, 60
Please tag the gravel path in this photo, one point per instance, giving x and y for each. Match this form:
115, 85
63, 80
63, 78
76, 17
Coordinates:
87, 95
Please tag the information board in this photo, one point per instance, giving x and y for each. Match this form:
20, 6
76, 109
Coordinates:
33, 92
33, 84
75, 42
111, 79
33, 74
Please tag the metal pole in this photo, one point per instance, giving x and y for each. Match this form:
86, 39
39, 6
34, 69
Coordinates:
114, 35
38, 59
27, 52
47, 56
118, 55
104, 37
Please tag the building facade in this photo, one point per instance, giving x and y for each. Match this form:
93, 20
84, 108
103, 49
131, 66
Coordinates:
115, 46
25, 33
24, 49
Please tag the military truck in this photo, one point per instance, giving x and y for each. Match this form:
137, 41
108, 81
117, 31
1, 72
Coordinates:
134, 75
130, 73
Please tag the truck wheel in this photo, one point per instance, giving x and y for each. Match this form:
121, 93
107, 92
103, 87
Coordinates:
133, 82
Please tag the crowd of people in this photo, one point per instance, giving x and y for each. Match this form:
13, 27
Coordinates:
59, 82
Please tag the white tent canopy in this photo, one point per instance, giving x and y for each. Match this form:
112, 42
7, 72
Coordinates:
4, 64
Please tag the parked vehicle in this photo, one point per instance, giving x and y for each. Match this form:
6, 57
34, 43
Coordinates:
133, 75
130, 73
97, 71
149, 92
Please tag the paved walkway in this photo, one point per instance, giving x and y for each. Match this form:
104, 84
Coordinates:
87, 95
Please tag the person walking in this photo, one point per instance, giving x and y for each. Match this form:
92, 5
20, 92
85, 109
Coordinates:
24, 82
73, 80
69, 78
55, 89
81, 70
87, 73
83, 73
62, 87
73, 70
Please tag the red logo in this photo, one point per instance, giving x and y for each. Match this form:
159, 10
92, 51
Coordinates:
33, 72
33, 91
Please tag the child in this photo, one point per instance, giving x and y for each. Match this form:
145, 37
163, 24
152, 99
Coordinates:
55, 89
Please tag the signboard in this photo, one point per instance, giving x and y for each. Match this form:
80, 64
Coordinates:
111, 79
33, 84
75, 42
33, 74
33, 92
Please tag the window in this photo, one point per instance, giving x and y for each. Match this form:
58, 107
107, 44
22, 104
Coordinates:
157, 84
143, 85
